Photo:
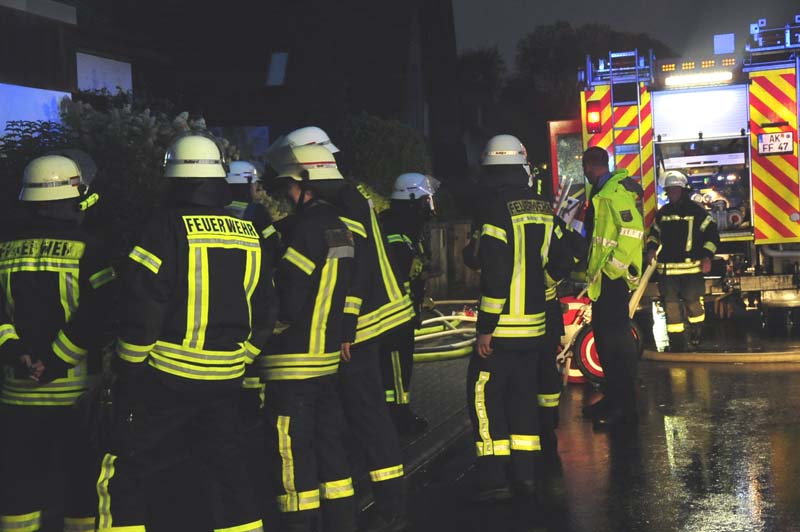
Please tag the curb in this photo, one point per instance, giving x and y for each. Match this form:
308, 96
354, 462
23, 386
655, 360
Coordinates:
723, 358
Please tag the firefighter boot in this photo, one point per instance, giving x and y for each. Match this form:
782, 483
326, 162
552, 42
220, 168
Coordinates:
695, 334
677, 343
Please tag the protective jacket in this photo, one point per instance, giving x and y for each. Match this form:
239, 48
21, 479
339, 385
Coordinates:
517, 243
378, 301
686, 233
199, 301
55, 283
616, 231
313, 279
408, 248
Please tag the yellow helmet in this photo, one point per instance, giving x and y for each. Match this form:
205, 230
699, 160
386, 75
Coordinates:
51, 178
195, 155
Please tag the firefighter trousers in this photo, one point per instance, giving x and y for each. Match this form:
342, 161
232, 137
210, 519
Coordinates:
549, 383
679, 291
45, 461
501, 390
148, 426
616, 346
307, 456
397, 363
368, 416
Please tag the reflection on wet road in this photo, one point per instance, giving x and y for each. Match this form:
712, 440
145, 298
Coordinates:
717, 449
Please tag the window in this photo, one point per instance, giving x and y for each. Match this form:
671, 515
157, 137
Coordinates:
97, 73
276, 74
28, 103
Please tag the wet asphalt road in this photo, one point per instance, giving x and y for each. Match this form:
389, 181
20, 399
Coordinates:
717, 449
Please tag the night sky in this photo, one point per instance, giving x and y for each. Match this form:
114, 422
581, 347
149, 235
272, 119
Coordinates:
687, 26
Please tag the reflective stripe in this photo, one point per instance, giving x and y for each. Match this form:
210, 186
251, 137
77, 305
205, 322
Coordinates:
198, 293
558, 232
255, 526
354, 226
675, 327
292, 501
492, 305
518, 273
298, 366
680, 268
305, 264
103, 277
302, 501
617, 263
705, 223
387, 274
220, 241
401, 396
61, 392
494, 448
710, 246
632, 233
133, 353
68, 291
548, 400
389, 396
605, 242
252, 383
524, 442
7, 332
195, 372
388, 317
105, 519
696, 319
79, 524
652, 240
322, 307
341, 252
268, 232
495, 232
42, 264
519, 332
21, 523
352, 305
250, 351
252, 274
132, 528
399, 239
387, 473
550, 293
485, 445
67, 351
336, 489
145, 258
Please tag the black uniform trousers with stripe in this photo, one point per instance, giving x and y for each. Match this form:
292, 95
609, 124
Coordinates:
368, 416
45, 459
501, 392
156, 421
549, 391
397, 364
309, 465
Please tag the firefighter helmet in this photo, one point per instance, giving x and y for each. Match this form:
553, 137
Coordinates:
504, 149
242, 173
195, 155
307, 163
413, 186
305, 136
51, 178
674, 178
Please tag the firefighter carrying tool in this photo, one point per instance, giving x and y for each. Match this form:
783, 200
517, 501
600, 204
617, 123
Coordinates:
688, 238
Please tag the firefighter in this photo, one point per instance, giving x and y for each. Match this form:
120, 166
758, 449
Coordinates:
300, 365
616, 239
502, 375
55, 281
411, 207
198, 307
376, 305
688, 239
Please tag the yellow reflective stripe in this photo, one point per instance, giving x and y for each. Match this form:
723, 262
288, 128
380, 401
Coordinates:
305, 264
79, 524
399, 239
387, 473
302, 501
632, 233
558, 232
495, 232
268, 232
525, 319
105, 519
336, 489
69, 292
675, 327
401, 396
132, 528
189, 371
517, 292
354, 226
67, 351
103, 277
145, 258
352, 305
548, 400
493, 448
525, 442
252, 273
710, 246
605, 242
384, 319
389, 396
61, 392
21, 523
389, 281
255, 526
652, 240
197, 307
292, 501
252, 383
519, 332
493, 305
7, 332
132, 352
680, 268
250, 352
486, 446
298, 366
675, 218
550, 293
696, 319
322, 307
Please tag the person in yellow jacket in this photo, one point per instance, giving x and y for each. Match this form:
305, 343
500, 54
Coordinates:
615, 231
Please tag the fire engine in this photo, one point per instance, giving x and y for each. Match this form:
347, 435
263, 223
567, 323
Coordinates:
729, 121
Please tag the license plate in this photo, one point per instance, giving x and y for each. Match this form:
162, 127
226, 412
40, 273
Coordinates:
775, 143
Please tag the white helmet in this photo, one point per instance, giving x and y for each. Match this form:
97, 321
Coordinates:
242, 173
50, 178
674, 178
303, 137
195, 155
504, 149
414, 186
310, 163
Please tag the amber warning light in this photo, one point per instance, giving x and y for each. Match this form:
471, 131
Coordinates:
593, 124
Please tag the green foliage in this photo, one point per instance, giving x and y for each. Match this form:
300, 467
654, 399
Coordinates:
481, 74
375, 151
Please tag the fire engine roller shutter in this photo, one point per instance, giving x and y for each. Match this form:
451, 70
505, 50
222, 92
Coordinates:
714, 112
